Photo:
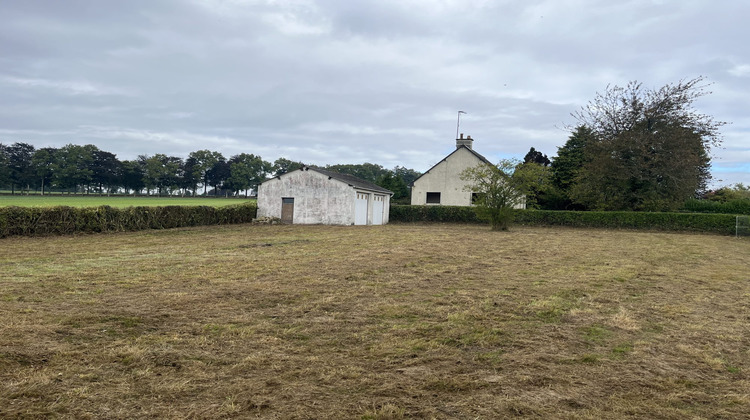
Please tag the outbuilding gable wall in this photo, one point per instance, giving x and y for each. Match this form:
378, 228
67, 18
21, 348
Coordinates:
317, 199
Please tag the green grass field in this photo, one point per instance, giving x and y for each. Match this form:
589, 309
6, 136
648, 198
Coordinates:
432, 321
115, 201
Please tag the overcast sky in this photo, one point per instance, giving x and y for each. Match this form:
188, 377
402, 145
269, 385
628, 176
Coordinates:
350, 81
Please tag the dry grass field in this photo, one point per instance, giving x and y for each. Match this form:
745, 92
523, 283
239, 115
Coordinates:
400, 321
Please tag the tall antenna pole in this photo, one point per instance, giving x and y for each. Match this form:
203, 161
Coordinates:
458, 121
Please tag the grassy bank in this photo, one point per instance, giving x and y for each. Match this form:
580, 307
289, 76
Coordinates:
426, 321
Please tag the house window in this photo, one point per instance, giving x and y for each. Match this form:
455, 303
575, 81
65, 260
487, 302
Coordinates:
433, 198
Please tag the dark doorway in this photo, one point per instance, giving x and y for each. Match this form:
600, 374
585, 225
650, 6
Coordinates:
287, 210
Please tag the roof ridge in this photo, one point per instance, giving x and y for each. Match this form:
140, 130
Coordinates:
475, 153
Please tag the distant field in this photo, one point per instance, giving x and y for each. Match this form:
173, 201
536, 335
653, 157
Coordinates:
119, 201
399, 321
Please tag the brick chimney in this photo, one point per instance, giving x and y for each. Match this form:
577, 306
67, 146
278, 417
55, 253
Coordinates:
461, 141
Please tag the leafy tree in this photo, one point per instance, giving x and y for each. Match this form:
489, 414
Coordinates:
498, 189
536, 179
535, 156
106, 170
188, 179
202, 162
4, 166
72, 166
160, 172
407, 175
132, 176
639, 170
175, 165
650, 148
150, 172
392, 182
367, 171
246, 172
42, 163
19, 162
283, 165
729, 193
218, 174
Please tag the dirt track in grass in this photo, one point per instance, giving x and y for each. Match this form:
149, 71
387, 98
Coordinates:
412, 321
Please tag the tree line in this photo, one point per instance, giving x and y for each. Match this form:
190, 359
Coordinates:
87, 169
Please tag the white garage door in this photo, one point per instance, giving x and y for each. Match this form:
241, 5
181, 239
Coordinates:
378, 205
360, 209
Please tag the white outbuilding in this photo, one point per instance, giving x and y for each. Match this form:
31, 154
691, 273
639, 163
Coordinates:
316, 196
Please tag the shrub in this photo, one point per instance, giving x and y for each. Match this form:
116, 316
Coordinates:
61, 220
694, 222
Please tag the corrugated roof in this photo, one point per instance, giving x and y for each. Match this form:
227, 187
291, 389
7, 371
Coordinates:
351, 180
482, 158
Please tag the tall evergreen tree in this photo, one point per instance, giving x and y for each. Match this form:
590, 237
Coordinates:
535, 156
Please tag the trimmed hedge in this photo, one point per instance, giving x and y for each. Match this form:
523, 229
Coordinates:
739, 206
62, 220
408, 213
694, 222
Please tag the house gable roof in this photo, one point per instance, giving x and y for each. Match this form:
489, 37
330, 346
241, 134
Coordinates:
350, 180
480, 157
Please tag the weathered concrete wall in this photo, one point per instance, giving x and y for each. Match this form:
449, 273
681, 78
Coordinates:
317, 200
445, 179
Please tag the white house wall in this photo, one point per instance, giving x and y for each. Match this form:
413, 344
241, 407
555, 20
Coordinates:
445, 178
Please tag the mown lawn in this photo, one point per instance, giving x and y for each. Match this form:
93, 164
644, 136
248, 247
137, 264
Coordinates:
112, 201
400, 321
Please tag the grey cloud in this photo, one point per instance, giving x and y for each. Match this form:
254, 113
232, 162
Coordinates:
346, 82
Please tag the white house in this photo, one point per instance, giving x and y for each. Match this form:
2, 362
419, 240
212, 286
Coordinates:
316, 196
442, 184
